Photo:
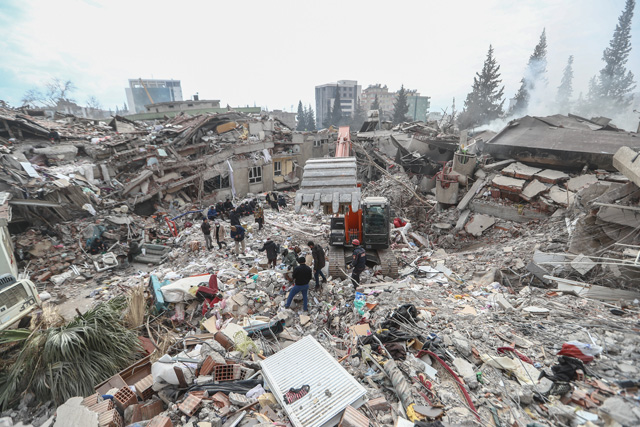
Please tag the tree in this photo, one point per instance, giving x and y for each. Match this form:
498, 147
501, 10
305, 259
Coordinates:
93, 103
336, 115
311, 119
359, 116
400, 107
565, 90
534, 76
328, 117
615, 82
301, 117
484, 102
56, 91
376, 103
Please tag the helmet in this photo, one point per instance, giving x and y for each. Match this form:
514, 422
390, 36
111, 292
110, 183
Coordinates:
356, 242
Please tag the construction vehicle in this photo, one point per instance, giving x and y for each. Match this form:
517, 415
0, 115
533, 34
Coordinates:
18, 297
331, 184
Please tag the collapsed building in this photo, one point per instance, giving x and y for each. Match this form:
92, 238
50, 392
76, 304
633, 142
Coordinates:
515, 302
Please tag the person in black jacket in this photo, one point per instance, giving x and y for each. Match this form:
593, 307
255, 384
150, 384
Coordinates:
206, 230
301, 278
228, 205
318, 263
272, 252
234, 217
358, 263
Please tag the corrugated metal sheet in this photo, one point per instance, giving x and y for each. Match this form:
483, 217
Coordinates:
332, 388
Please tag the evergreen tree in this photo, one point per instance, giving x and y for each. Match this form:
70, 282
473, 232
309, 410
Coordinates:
615, 82
484, 102
328, 117
359, 117
400, 107
336, 115
301, 117
565, 90
376, 103
311, 119
534, 75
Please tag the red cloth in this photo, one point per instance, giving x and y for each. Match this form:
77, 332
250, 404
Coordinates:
398, 222
573, 351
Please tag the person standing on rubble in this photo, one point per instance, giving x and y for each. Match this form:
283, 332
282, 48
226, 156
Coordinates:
289, 259
282, 202
318, 263
358, 263
272, 252
301, 278
220, 235
234, 217
237, 234
206, 230
258, 216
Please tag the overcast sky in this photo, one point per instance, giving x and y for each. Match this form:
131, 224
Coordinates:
273, 53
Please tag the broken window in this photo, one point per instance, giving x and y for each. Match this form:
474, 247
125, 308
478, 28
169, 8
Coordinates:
255, 174
216, 183
317, 142
277, 168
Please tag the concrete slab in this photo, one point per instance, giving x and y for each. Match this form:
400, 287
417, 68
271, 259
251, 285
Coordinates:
582, 264
520, 170
532, 189
479, 223
509, 184
561, 196
506, 212
73, 414
627, 161
551, 176
577, 183
462, 220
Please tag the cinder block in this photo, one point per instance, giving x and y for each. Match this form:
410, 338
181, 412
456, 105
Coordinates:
190, 405
110, 418
353, 418
151, 409
161, 421
124, 397
207, 366
144, 387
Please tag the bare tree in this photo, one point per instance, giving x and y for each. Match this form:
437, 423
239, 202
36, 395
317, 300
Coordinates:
93, 103
56, 90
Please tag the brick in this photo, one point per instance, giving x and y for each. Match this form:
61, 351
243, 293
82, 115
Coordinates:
151, 409
44, 277
91, 400
144, 387
230, 372
160, 421
207, 366
136, 413
220, 400
378, 404
353, 418
100, 407
124, 397
110, 418
190, 405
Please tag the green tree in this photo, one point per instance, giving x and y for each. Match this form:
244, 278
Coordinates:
328, 117
301, 117
359, 116
615, 82
534, 76
400, 107
375, 105
565, 90
336, 115
311, 119
484, 102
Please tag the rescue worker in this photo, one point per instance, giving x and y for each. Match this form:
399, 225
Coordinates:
206, 230
358, 263
301, 278
318, 263
237, 234
220, 235
272, 252
258, 216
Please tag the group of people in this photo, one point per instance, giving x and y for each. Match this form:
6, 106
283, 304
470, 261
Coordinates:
299, 274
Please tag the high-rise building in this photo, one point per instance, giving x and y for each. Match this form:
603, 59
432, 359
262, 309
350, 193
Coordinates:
418, 105
350, 93
140, 90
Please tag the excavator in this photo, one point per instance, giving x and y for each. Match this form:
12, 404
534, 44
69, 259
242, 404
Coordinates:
331, 184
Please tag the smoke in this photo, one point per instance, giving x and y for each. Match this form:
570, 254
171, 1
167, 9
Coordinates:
543, 102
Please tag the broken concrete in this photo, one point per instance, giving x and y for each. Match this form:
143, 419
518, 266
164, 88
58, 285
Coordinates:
479, 224
533, 189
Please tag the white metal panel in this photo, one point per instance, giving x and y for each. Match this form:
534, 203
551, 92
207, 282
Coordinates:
332, 388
